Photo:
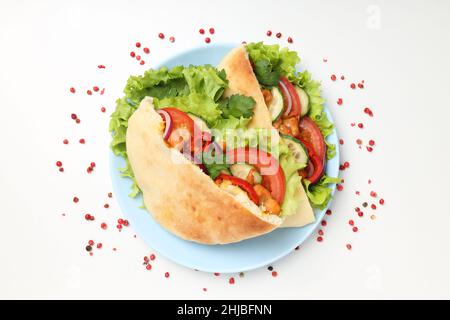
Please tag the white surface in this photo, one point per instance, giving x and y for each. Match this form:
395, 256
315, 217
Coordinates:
48, 46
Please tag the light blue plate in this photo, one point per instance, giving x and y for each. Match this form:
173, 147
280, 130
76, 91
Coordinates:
242, 256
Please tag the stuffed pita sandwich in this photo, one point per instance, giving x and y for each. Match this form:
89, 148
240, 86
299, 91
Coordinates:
290, 102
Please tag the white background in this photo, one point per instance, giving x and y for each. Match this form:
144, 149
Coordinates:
400, 48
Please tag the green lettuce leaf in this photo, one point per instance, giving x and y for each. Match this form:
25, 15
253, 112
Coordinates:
293, 181
291, 203
320, 194
271, 62
231, 123
198, 104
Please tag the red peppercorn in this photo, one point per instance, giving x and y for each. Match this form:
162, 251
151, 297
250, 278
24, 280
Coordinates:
110, 195
96, 89
211, 30
172, 39
371, 142
89, 92
89, 170
65, 141
370, 149
58, 163
360, 125
72, 89
359, 141
290, 40
346, 164
126, 223
207, 40
101, 66
146, 259
349, 246
87, 216
201, 31
353, 86
167, 275
148, 267
274, 274
381, 201
61, 169
99, 245
342, 77
104, 226
319, 239
138, 44
82, 141
341, 141
120, 221
77, 120
152, 257
333, 77
216, 274
161, 35
142, 62
339, 101
231, 280
340, 187
73, 116
103, 109
360, 85
75, 199
278, 35
119, 226
91, 242
357, 209
355, 229
269, 33
138, 57
146, 50
351, 222
373, 194
323, 223
373, 206
320, 232
106, 206
132, 54
341, 167
360, 214
328, 212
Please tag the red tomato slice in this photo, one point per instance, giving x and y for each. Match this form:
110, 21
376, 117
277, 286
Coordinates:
268, 166
296, 108
314, 171
244, 185
310, 133
183, 130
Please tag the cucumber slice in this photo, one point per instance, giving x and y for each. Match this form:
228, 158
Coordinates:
304, 100
297, 148
199, 122
241, 170
276, 105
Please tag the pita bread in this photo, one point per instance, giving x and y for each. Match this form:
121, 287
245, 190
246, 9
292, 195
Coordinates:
180, 196
243, 80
